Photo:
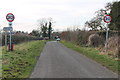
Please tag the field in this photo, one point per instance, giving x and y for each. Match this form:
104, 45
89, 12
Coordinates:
20, 62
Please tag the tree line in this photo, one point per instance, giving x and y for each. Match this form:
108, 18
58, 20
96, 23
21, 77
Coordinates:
44, 28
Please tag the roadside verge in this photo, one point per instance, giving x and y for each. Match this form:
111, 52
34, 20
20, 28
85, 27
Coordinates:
94, 54
20, 62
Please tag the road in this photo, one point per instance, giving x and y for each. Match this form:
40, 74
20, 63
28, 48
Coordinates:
58, 61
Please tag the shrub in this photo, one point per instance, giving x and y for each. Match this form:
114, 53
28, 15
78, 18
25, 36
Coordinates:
114, 45
82, 37
20, 38
95, 40
78, 37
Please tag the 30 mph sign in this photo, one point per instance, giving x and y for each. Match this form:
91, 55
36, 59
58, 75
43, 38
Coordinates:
107, 19
10, 17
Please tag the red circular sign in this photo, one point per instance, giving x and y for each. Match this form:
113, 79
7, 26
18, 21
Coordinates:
107, 19
10, 17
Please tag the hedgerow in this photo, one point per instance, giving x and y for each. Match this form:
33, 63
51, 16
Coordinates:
19, 38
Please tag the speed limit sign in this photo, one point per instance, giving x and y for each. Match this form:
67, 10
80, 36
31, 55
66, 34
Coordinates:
107, 19
10, 17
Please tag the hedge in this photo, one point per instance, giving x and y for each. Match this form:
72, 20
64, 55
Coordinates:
20, 38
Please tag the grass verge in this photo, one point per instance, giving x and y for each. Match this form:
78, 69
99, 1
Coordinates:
94, 54
20, 62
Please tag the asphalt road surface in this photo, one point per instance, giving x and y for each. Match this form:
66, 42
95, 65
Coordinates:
58, 61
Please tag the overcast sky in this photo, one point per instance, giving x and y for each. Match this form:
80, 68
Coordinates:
65, 13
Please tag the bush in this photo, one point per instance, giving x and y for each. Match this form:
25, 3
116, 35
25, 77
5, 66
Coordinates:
82, 37
95, 40
78, 37
114, 45
111, 33
20, 38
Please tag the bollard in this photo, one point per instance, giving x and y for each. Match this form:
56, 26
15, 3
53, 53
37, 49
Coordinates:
12, 47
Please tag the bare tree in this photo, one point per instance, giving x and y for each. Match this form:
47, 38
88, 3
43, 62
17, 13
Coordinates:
45, 26
42, 23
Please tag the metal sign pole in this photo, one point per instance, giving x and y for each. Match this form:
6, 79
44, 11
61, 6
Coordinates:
10, 25
107, 38
10, 17
6, 40
107, 19
10, 40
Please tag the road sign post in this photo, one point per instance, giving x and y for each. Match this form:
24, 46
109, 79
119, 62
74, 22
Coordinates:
10, 17
6, 29
10, 25
107, 19
107, 38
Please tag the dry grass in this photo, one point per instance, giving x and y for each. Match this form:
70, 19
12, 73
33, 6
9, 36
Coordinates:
20, 62
113, 46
